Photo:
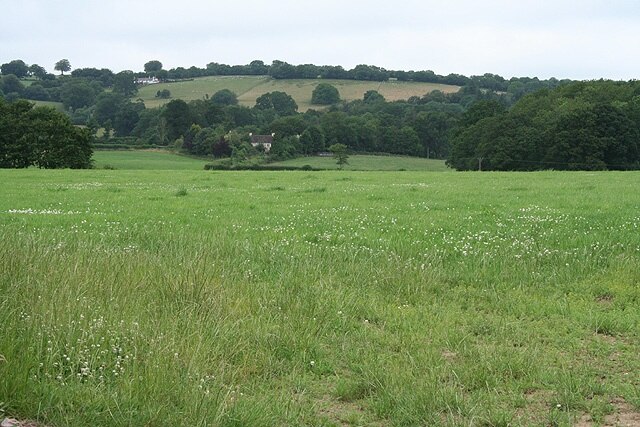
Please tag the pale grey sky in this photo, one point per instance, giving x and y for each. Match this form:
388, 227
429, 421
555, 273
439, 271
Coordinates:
581, 39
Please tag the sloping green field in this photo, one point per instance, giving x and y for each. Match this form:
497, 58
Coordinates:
248, 88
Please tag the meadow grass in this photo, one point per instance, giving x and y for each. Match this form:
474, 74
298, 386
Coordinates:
318, 298
199, 88
145, 160
361, 162
166, 160
248, 88
52, 104
350, 90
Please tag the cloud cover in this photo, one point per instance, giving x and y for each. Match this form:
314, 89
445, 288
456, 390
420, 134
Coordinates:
586, 39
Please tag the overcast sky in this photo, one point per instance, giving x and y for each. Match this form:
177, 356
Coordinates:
581, 39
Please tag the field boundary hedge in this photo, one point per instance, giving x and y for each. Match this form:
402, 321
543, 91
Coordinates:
260, 168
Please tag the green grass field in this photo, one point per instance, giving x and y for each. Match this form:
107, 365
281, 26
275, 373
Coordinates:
371, 163
335, 298
145, 160
56, 105
165, 160
248, 88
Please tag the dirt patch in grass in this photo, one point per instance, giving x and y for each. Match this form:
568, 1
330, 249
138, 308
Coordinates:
624, 415
535, 411
12, 422
340, 412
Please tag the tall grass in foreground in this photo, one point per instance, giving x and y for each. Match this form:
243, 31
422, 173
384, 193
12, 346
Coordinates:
256, 299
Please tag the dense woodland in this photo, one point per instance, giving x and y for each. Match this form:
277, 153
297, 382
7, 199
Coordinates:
583, 125
490, 124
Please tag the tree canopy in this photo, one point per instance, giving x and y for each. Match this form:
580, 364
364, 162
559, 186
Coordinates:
282, 103
152, 66
42, 137
224, 97
340, 153
125, 83
62, 66
583, 125
325, 94
17, 67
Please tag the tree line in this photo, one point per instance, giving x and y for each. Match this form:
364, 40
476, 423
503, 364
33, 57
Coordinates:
516, 86
99, 98
533, 125
580, 126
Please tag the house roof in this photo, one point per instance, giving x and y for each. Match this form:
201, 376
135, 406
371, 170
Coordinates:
261, 139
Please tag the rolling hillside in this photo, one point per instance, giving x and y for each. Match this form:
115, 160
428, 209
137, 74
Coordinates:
248, 88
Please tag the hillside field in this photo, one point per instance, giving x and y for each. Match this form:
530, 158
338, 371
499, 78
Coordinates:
336, 298
248, 88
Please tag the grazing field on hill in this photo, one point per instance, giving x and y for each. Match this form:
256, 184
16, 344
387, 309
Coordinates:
319, 298
145, 160
371, 163
350, 90
199, 88
248, 88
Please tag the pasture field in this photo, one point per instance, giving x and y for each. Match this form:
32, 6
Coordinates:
319, 298
166, 160
55, 105
145, 160
248, 88
190, 90
361, 162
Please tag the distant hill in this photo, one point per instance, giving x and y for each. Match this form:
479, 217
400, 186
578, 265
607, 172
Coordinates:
248, 88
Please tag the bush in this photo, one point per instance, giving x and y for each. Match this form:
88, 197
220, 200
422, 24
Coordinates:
163, 94
229, 167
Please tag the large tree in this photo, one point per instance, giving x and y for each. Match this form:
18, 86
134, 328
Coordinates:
38, 71
62, 66
42, 137
17, 67
11, 84
325, 94
282, 103
152, 67
312, 140
224, 97
124, 83
178, 118
77, 93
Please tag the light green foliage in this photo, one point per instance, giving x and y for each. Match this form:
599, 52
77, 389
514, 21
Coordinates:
325, 298
340, 154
